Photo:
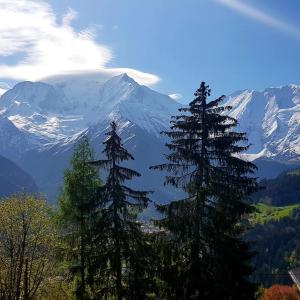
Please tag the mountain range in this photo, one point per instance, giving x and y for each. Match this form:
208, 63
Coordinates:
271, 119
41, 121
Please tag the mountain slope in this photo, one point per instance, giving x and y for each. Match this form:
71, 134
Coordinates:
3, 88
13, 179
39, 110
13, 142
272, 120
271, 168
283, 190
120, 97
48, 166
275, 236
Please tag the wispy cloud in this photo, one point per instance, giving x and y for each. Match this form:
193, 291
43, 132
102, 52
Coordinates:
262, 17
175, 96
49, 46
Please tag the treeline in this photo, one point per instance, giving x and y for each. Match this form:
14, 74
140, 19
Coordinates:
102, 251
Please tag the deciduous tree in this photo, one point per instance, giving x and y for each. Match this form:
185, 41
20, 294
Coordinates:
27, 246
79, 215
280, 292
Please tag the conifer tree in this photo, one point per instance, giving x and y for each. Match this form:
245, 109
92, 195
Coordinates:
204, 161
120, 204
79, 214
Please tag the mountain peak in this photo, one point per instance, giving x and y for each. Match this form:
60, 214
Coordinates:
27, 84
124, 78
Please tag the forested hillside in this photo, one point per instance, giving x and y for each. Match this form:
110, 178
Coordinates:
275, 234
282, 190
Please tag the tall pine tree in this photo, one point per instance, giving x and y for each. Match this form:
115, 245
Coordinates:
79, 213
120, 233
212, 260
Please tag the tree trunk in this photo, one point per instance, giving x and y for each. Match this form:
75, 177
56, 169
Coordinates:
117, 236
26, 288
82, 263
119, 271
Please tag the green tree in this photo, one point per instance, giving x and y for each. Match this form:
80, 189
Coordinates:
28, 241
79, 214
121, 233
211, 260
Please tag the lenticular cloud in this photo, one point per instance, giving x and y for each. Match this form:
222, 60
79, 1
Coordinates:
48, 46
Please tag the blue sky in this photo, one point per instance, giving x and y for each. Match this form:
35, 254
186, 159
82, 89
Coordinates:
171, 44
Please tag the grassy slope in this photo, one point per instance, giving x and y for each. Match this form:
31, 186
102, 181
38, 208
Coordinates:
266, 213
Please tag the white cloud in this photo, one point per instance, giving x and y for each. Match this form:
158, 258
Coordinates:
175, 97
262, 17
49, 47
102, 75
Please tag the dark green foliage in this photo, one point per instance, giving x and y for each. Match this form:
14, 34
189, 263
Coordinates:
209, 259
79, 215
120, 265
140, 268
276, 242
283, 190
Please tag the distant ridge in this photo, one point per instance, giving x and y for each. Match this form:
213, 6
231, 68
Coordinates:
13, 179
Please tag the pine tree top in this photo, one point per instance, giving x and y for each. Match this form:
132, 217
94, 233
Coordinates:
115, 189
204, 147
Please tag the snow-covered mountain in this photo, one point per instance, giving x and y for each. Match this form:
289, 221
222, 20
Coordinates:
54, 113
47, 118
271, 119
13, 142
41, 121
3, 88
